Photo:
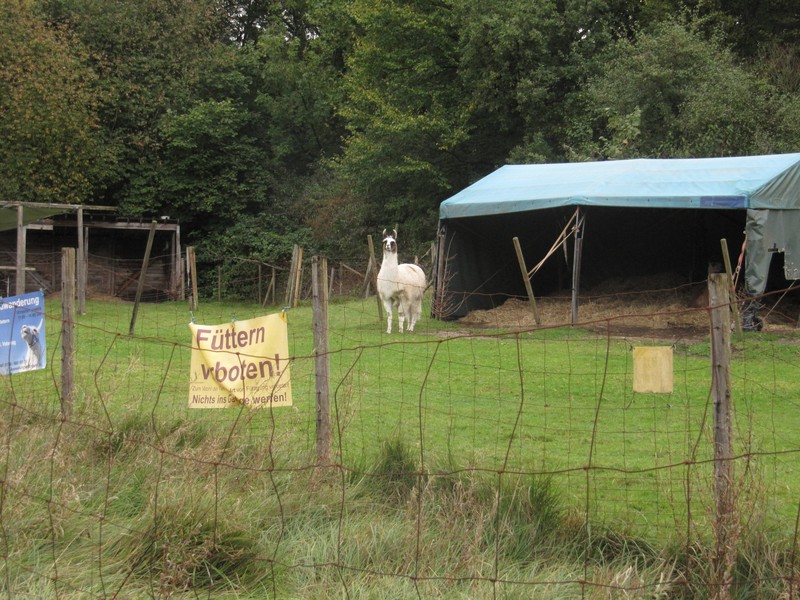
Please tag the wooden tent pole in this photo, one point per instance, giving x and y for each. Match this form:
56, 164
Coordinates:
527, 281
576, 263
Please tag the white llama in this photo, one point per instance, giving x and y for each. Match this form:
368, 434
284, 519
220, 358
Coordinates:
399, 285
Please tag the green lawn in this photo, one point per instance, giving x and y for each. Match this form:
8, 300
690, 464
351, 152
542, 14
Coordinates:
553, 404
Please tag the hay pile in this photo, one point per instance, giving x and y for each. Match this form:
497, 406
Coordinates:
636, 307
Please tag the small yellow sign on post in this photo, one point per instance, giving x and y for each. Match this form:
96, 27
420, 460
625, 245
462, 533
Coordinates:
652, 369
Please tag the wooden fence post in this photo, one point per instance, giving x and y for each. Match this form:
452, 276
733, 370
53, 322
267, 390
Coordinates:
439, 277
67, 331
290, 285
373, 275
191, 268
725, 521
82, 267
21, 249
298, 284
319, 284
270, 288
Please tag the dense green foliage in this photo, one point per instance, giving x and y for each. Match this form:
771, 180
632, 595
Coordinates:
319, 121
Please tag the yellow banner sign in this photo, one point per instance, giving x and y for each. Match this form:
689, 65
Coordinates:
241, 363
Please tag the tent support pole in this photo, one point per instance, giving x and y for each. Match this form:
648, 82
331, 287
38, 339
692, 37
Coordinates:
576, 263
527, 281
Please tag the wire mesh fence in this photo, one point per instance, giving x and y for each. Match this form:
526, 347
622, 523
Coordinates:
483, 458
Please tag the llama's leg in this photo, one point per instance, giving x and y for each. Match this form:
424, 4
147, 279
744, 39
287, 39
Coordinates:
401, 317
388, 308
414, 311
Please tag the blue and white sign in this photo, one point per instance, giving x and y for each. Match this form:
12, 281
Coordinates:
22, 340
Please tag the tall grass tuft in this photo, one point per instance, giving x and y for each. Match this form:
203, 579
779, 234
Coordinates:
396, 473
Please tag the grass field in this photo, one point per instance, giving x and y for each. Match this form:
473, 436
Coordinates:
467, 464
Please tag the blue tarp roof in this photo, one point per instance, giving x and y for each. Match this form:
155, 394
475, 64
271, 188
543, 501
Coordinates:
768, 181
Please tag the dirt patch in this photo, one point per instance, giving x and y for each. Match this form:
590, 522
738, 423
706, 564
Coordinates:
622, 309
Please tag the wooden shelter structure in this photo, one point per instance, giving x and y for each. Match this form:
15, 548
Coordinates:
624, 218
25, 217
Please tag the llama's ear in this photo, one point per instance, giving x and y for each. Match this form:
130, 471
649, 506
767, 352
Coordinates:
395, 233
384, 233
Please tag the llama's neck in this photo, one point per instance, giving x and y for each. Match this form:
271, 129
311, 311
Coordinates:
389, 261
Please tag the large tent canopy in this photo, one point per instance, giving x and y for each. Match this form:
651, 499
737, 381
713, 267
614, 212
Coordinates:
699, 201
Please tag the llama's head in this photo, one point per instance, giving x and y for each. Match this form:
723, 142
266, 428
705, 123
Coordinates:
390, 241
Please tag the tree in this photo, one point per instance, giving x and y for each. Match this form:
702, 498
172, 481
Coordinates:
441, 93
50, 150
671, 92
148, 55
404, 116
748, 26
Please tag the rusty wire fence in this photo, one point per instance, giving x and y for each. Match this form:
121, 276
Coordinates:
482, 458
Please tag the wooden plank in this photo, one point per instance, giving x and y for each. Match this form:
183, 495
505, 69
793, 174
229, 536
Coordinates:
118, 225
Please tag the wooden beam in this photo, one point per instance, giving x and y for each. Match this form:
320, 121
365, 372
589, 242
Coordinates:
115, 225
140, 288
527, 281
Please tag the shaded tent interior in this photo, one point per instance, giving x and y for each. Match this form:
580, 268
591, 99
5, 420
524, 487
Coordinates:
642, 218
617, 243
